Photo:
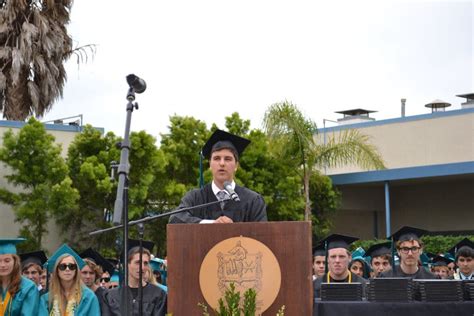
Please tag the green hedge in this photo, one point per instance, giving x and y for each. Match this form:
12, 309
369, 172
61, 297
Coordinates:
434, 244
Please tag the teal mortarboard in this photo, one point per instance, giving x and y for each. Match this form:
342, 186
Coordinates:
377, 250
407, 233
36, 257
115, 277
358, 253
449, 256
156, 264
90, 253
8, 245
440, 261
338, 241
463, 243
425, 260
64, 249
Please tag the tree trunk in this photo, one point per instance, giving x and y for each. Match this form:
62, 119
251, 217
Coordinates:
307, 204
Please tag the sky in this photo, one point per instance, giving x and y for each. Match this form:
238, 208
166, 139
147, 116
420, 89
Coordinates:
210, 58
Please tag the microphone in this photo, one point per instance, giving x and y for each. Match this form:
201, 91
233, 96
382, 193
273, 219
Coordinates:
228, 188
136, 83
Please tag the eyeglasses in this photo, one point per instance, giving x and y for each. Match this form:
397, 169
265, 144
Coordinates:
405, 250
70, 266
105, 280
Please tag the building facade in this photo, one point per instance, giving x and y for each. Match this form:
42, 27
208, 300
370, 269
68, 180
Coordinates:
428, 181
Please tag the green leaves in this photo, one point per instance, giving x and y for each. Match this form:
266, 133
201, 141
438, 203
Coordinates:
40, 175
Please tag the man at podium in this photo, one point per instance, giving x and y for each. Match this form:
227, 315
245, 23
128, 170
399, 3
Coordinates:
238, 204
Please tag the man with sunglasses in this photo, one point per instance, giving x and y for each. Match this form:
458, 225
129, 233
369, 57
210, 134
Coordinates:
409, 248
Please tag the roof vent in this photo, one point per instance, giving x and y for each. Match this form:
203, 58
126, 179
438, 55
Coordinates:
355, 116
437, 106
469, 104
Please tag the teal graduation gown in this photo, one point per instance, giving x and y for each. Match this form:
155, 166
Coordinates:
26, 300
89, 305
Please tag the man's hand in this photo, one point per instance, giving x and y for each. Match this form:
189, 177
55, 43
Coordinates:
223, 220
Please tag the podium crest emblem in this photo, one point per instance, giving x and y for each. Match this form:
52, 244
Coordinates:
245, 262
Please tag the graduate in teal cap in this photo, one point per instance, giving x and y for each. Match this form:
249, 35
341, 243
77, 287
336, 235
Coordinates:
67, 294
19, 296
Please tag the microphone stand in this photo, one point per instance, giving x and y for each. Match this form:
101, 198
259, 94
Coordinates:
141, 231
121, 202
150, 218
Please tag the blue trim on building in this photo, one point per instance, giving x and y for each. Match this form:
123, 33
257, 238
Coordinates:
399, 120
51, 127
449, 169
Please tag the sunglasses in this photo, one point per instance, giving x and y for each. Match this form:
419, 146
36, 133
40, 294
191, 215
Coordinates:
105, 280
70, 266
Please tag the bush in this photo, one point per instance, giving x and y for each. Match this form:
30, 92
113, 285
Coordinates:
434, 244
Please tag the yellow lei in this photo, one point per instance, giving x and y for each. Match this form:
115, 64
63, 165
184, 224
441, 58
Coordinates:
329, 277
5, 304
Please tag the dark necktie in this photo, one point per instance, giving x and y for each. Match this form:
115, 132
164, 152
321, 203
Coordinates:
221, 196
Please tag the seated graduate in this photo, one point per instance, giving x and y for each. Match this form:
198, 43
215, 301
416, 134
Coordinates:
92, 273
32, 266
154, 299
463, 253
380, 258
155, 277
409, 248
19, 296
337, 262
319, 261
358, 265
439, 266
67, 294
223, 150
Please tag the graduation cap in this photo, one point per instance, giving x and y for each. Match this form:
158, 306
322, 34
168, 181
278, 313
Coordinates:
36, 257
338, 241
64, 249
378, 250
113, 261
440, 261
157, 264
115, 277
224, 140
463, 243
132, 243
407, 233
8, 245
93, 255
425, 259
358, 254
319, 250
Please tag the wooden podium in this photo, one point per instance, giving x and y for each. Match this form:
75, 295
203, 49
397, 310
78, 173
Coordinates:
290, 243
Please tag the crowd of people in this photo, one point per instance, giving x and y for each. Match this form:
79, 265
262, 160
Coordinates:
87, 284
333, 262
76, 284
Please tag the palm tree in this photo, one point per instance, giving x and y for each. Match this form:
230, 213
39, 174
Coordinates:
292, 138
34, 44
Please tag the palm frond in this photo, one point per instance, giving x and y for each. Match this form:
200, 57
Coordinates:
350, 147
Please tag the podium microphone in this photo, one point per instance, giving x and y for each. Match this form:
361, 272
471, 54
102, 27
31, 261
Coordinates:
228, 188
136, 83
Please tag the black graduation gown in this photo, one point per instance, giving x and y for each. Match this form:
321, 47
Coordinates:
323, 279
422, 273
250, 208
154, 302
101, 292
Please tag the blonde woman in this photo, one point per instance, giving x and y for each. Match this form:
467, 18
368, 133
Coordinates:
19, 296
67, 295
